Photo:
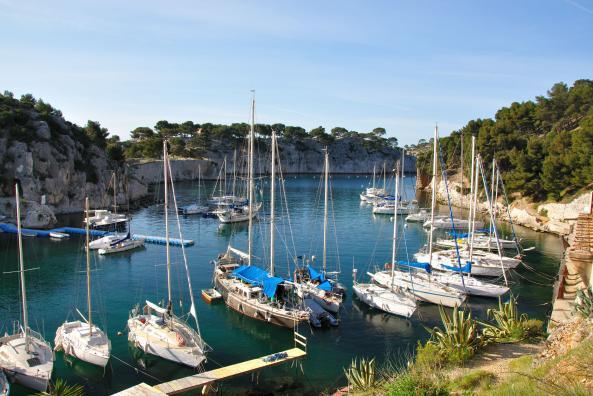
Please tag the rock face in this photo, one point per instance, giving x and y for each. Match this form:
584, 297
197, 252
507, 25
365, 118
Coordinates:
556, 218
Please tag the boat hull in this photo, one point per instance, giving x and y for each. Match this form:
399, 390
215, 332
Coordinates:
69, 340
254, 310
384, 299
13, 359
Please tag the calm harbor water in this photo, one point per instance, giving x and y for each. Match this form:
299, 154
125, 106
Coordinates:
357, 238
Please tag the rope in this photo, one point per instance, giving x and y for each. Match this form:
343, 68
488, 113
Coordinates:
136, 369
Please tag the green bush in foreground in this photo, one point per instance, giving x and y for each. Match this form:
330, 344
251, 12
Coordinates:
61, 388
361, 374
508, 325
584, 306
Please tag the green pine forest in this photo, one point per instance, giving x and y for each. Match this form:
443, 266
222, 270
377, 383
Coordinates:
544, 148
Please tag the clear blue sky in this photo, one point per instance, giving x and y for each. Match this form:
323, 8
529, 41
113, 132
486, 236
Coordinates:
356, 64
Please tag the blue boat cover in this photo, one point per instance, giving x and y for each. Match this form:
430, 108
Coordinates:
259, 277
315, 275
414, 264
467, 234
467, 268
325, 285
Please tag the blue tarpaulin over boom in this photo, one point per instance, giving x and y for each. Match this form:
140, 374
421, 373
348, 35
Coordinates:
467, 268
325, 285
467, 234
315, 275
259, 277
414, 264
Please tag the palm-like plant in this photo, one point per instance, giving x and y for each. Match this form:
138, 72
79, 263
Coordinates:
460, 338
508, 325
361, 374
61, 388
584, 305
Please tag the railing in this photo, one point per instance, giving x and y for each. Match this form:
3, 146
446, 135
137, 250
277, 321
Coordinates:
301, 340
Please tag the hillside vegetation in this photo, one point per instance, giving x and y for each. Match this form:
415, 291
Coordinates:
543, 147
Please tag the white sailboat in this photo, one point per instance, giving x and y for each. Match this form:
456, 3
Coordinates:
371, 194
482, 263
25, 356
480, 242
83, 339
391, 298
112, 245
157, 330
445, 223
103, 218
421, 285
321, 289
196, 207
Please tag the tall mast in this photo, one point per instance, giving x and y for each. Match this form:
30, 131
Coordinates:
384, 177
224, 178
471, 183
374, 170
114, 193
474, 206
272, 202
234, 170
325, 201
88, 267
165, 178
394, 243
434, 192
22, 268
462, 163
250, 176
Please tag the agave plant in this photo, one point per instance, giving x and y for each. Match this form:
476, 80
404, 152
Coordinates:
459, 339
584, 305
361, 374
61, 388
508, 325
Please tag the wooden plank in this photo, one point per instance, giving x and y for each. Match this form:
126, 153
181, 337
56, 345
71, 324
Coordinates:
208, 377
140, 390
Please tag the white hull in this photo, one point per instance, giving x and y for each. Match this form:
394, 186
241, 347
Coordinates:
106, 241
389, 210
471, 286
422, 287
193, 209
14, 360
128, 244
445, 224
386, 300
75, 340
481, 242
486, 264
178, 344
328, 301
237, 216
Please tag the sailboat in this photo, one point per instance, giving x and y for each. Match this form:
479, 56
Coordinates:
246, 288
157, 330
312, 283
392, 298
103, 218
373, 193
25, 356
421, 284
196, 207
386, 204
83, 339
481, 263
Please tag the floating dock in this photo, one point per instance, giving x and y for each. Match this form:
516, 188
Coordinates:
11, 229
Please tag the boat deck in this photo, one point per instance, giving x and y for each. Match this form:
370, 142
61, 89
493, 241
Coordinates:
203, 379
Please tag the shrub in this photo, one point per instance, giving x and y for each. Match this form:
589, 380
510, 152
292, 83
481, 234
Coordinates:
534, 328
361, 374
584, 305
480, 379
509, 326
417, 382
428, 356
61, 388
459, 339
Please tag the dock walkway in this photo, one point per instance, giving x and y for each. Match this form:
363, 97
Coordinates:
11, 229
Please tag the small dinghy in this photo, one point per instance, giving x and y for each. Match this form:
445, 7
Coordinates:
58, 235
211, 295
317, 315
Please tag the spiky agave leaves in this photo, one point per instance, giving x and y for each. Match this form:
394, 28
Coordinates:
584, 305
459, 339
61, 388
508, 325
361, 374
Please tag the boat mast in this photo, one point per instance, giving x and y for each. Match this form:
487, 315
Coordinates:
325, 200
88, 268
434, 192
471, 197
250, 176
234, 170
474, 210
272, 202
462, 163
394, 243
165, 178
374, 170
114, 193
22, 268
384, 177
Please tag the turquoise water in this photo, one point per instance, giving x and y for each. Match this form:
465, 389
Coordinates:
120, 281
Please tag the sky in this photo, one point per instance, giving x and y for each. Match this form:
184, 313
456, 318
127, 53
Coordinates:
401, 65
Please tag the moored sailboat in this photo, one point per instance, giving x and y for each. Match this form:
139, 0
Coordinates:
25, 356
83, 339
157, 330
